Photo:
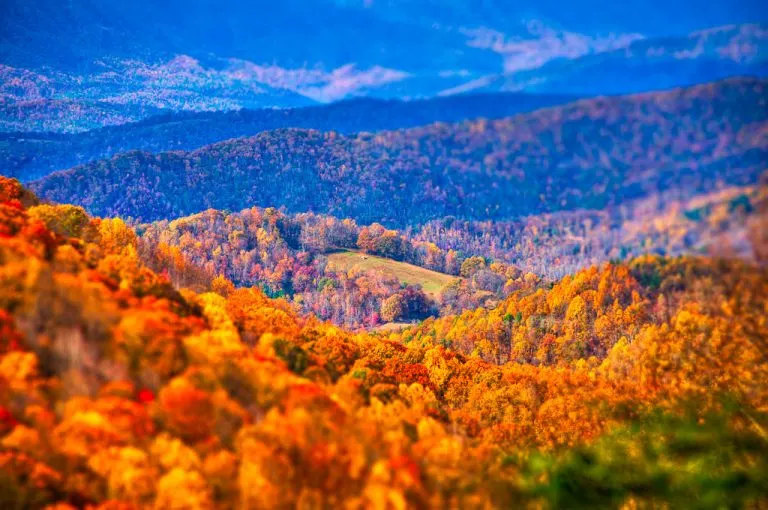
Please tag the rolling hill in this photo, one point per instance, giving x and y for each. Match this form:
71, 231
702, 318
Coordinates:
429, 281
387, 254
28, 155
120, 391
587, 154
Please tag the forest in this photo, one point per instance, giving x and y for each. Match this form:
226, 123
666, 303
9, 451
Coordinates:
30, 155
730, 221
383, 255
288, 255
562, 308
639, 383
590, 154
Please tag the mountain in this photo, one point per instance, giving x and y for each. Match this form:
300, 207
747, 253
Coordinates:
387, 254
402, 34
118, 91
646, 64
95, 64
587, 154
29, 156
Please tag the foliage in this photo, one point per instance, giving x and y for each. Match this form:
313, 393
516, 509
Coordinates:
119, 391
295, 256
38, 151
584, 155
714, 461
728, 222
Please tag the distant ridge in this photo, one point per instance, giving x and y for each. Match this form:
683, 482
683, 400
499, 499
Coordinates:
32, 155
588, 154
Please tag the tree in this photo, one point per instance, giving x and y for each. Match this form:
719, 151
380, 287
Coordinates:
115, 235
189, 411
471, 265
393, 308
65, 220
183, 490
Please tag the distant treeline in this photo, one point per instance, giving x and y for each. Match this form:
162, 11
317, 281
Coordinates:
590, 154
28, 156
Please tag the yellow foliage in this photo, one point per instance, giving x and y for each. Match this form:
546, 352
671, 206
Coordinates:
171, 452
84, 434
130, 475
116, 236
181, 489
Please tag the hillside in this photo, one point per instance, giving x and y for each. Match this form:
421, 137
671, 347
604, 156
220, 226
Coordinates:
431, 282
355, 276
588, 154
586, 313
366, 276
647, 386
730, 221
383, 255
29, 155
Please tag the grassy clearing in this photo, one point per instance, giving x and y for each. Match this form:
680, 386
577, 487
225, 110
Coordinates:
391, 327
431, 281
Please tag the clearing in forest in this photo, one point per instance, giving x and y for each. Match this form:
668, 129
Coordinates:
431, 281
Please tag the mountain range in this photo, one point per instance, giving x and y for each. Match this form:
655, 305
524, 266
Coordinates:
30, 155
109, 67
383, 254
587, 154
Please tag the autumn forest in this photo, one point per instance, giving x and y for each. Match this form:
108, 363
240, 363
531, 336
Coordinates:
227, 284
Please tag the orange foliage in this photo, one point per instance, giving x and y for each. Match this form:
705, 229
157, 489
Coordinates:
118, 391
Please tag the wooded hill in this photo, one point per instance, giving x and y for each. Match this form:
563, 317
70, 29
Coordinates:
588, 154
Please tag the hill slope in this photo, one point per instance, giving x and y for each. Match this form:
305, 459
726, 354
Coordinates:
121, 392
587, 154
28, 156
430, 281
300, 257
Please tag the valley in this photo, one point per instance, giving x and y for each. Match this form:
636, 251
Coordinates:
388, 255
587, 347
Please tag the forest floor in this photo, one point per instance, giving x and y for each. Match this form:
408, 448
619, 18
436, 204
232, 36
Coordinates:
431, 281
